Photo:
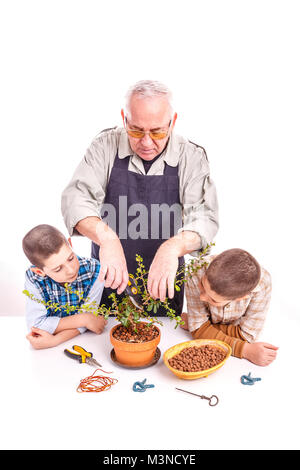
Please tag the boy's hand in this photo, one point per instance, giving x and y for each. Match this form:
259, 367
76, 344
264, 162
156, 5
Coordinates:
261, 354
40, 339
95, 323
184, 317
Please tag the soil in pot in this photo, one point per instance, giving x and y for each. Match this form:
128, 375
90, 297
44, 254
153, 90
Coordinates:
139, 334
197, 358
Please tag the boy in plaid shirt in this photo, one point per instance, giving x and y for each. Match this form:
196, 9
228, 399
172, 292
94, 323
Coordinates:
54, 264
228, 300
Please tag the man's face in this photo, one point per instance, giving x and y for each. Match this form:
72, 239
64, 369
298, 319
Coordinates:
149, 114
63, 266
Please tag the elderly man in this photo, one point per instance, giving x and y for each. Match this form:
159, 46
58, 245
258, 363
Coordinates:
143, 190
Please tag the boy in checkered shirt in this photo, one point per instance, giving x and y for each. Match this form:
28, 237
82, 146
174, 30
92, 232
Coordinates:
228, 300
53, 264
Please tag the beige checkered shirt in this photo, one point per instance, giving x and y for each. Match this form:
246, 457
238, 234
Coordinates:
249, 313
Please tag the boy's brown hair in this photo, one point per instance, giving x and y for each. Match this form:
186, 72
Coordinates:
41, 242
233, 273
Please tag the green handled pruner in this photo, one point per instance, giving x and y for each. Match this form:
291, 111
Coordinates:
84, 357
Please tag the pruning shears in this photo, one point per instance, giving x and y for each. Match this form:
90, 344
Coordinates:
132, 291
84, 357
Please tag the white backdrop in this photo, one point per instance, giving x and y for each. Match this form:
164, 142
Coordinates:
233, 67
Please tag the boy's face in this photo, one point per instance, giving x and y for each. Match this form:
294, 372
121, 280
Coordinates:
208, 295
62, 267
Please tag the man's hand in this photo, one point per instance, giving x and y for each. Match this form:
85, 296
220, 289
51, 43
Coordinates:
163, 271
40, 339
261, 354
164, 266
95, 323
113, 263
113, 269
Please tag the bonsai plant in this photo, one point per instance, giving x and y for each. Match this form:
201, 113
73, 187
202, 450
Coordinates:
134, 339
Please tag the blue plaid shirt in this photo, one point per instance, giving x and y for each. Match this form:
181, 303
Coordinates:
54, 293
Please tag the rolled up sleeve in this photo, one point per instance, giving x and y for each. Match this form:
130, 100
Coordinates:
85, 193
199, 199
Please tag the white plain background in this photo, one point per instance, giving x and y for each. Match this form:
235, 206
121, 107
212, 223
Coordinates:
233, 67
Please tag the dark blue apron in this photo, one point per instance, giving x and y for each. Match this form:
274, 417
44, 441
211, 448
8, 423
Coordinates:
146, 190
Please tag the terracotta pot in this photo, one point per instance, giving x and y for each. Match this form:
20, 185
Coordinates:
134, 354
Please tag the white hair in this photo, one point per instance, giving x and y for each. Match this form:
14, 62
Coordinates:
148, 89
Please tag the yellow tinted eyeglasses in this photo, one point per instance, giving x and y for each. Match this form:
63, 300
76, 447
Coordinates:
155, 135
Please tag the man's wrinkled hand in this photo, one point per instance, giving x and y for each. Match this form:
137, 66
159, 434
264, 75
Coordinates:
162, 272
113, 269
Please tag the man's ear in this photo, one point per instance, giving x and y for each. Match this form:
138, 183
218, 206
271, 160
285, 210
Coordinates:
174, 120
38, 271
123, 117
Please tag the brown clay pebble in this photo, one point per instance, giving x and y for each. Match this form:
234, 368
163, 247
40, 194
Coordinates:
197, 358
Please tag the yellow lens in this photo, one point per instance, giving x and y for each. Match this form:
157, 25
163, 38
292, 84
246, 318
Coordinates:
158, 135
136, 134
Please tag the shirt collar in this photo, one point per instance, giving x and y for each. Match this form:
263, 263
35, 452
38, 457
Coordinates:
170, 155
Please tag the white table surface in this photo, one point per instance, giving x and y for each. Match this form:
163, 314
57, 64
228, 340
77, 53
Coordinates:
41, 409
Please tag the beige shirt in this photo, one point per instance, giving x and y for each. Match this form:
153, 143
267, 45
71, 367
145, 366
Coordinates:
249, 313
85, 194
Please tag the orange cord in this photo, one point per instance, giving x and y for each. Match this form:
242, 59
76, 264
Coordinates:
89, 383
